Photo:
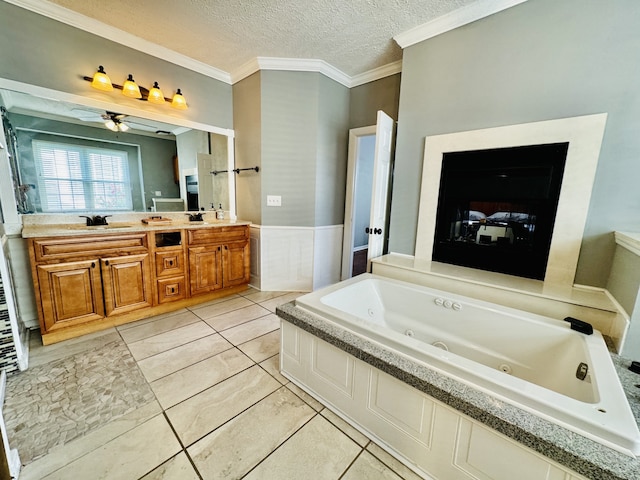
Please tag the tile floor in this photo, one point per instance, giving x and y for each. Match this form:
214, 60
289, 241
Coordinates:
195, 394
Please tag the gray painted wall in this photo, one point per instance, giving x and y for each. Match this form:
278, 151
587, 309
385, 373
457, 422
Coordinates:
304, 129
540, 60
367, 99
332, 141
247, 124
43, 52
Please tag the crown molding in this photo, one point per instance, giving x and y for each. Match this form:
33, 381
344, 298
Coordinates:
82, 22
376, 73
453, 20
305, 65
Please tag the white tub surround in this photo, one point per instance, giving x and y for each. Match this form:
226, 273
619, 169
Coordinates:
434, 421
593, 305
584, 135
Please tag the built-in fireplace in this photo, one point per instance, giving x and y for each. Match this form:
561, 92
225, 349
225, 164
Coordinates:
491, 217
497, 208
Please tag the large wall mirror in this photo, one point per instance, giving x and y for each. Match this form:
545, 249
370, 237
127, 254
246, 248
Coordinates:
126, 162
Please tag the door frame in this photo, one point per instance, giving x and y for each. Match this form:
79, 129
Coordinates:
349, 204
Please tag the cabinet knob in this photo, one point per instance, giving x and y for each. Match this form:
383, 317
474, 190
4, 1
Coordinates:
106, 262
93, 264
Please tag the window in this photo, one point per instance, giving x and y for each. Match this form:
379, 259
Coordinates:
80, 178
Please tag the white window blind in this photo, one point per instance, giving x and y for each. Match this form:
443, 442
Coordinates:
77, 177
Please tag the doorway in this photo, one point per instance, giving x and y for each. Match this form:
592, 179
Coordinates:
367, 196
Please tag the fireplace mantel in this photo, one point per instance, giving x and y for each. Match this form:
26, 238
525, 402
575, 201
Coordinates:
584, 135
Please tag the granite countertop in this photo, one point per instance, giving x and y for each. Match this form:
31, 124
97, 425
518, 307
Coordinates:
122, 224
574, 451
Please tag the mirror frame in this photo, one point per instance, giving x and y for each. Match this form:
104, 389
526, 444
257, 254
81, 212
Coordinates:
8, 201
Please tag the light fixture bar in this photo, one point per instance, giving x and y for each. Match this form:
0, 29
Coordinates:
177, 101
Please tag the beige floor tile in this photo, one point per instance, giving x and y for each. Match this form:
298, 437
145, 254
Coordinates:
389, 460
168, 340
272, 366
214, 301
318, 450
237, 317
189, 381
165, 363
262, 347
177, 468
355, 435
315, 404
274, 302
369, 467
240, 444
199, 415
158, 326
39, 354
144, 321
73, 450
259, 296
128, 456
250, 330
219, 308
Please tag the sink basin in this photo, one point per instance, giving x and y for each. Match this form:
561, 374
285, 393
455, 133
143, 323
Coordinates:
99, 227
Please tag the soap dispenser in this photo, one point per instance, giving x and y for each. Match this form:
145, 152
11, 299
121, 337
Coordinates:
220, 213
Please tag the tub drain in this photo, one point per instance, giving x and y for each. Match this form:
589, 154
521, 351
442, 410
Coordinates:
505, 368
441, 345
409, 333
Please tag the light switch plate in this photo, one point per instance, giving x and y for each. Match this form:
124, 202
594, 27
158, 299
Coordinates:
274, 201
158, 193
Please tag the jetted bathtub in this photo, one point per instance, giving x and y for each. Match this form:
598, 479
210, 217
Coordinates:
533, 362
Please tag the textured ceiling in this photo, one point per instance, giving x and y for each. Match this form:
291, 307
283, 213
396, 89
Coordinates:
354, 36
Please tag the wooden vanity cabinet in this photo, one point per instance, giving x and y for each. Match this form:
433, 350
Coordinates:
80, 280
218, 258
86, 283
169, 259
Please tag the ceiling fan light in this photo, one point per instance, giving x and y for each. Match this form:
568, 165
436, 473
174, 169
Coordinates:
130, 88
179, 101
122, 127
101, 80
155, 95
111, 125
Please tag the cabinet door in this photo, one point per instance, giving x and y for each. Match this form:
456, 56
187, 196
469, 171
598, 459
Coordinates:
169, 263
235, 264
127, 283
71, 293
205, 268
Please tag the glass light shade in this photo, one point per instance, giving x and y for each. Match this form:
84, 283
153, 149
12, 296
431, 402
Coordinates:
101, 80
111, 125
123, 127
155, 94
130, 88
178, 101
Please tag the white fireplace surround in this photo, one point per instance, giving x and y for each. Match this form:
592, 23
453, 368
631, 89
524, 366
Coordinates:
584, 135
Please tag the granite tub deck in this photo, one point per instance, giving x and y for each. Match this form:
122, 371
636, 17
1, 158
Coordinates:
569, 449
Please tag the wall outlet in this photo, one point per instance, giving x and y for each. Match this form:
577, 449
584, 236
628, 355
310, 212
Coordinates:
158, 193
274, 201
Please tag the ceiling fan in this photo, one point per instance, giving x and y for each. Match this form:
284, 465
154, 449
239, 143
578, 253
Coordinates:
115, 121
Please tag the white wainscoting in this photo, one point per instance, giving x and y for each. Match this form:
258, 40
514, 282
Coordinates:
295, 258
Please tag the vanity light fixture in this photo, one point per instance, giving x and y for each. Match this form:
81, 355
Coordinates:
101, 80
130, 88
178, 101
155, 95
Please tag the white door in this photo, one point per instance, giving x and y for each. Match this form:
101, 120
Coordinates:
368, 173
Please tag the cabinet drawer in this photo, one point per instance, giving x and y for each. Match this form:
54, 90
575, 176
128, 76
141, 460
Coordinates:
171, 289
50, 249
169, 263
205, 236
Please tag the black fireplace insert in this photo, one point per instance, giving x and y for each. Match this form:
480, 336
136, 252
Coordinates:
497, 208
